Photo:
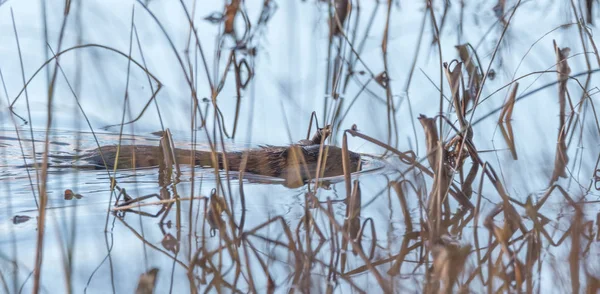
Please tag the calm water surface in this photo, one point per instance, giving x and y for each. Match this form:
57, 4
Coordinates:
89, 249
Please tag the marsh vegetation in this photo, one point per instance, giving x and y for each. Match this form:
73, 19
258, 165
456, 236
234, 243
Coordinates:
457, 146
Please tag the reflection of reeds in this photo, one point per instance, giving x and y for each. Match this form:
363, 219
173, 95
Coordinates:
505, 118
443, 245
563, 70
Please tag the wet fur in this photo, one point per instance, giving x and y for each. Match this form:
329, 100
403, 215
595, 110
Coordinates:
295, 163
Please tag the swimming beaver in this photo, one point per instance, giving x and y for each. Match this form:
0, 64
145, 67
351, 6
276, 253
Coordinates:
296, 163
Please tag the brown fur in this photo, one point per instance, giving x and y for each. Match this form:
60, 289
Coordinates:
295, 164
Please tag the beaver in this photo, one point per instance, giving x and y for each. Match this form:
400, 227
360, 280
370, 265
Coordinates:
296, 163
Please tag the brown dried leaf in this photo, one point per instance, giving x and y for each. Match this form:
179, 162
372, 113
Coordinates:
467, 57
561, 62
454, 77
147, 282
341, 12
216, 208
467, 186
404, 205
431, 138
560, 161
231, 11
506, 114
448, 263
170, 243
353, 209
563, 69
508, 135
442, 178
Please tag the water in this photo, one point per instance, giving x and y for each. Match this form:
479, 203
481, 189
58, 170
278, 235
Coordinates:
291, 77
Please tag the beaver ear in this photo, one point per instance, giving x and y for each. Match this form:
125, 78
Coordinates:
326, 130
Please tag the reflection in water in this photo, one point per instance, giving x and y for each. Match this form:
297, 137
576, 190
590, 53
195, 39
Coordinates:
217, 242
487, 194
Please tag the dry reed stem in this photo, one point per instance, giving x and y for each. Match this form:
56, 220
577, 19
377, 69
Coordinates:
563, 69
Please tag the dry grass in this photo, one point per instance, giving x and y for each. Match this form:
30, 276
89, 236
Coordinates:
451, 241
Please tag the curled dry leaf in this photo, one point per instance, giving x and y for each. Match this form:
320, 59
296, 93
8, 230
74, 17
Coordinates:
442, 178
216, 208
473, 72
454, 77
431, 138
